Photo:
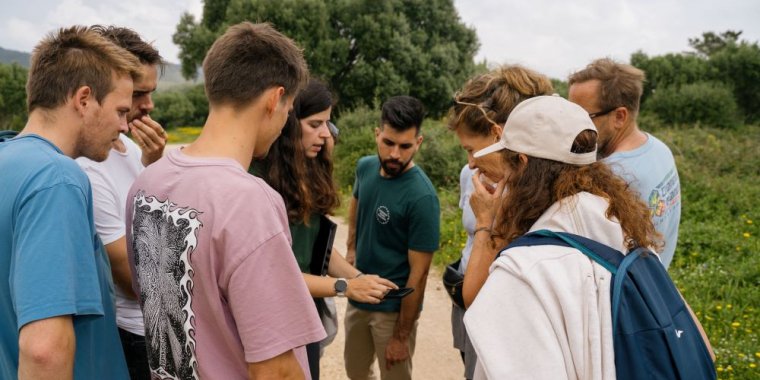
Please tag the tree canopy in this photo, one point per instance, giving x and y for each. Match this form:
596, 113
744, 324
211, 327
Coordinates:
366, 50
12, 96
720, 65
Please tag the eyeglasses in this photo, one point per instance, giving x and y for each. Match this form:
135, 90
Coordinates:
602, 113
478, 106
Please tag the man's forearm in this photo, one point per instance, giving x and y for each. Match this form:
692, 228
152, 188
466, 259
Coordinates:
351, 240
410, 311
419, 263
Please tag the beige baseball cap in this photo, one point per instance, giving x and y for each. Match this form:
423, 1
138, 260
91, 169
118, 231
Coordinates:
545, 127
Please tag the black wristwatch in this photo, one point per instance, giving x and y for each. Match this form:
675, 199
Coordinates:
340, 287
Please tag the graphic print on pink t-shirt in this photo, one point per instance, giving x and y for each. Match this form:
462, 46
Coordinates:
166, 240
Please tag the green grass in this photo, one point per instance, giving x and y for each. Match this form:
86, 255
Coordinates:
717, 261
183, 135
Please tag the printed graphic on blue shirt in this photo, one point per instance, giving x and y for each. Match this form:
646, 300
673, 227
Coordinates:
164, 238
665, 196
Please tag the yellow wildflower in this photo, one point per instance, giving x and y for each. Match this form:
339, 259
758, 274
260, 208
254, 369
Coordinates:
718, 307
736, 324
746, 234
752, 365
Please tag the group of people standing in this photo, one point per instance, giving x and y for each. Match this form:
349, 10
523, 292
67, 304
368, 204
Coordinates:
210, 249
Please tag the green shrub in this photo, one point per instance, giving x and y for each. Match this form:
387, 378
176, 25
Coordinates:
356, 140
707, 103
439, 156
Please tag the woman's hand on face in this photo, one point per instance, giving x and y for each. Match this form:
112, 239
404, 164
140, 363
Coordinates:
485, 200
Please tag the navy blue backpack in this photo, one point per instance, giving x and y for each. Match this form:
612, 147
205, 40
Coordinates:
654, 334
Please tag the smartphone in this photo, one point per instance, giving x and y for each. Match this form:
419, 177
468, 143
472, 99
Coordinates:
398, 293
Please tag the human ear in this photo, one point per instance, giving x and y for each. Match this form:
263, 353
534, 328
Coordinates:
276, 98
496, 131
621, 116
81, 98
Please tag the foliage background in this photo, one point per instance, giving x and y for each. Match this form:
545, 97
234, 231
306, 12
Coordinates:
704, 104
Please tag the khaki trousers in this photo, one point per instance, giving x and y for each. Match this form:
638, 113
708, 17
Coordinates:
367, 334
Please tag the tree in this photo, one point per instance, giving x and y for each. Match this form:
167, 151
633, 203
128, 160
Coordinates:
366, 50
738, 64
710, 43
669, 70
12, 96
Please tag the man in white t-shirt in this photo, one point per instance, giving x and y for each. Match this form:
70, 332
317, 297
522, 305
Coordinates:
111, 180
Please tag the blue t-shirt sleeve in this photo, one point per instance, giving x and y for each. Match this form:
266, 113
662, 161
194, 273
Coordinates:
53, 266
424, 226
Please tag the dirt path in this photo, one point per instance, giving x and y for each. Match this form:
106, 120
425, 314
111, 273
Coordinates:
434, 358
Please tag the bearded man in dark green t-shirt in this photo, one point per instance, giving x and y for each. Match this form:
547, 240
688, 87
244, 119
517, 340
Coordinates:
394, 220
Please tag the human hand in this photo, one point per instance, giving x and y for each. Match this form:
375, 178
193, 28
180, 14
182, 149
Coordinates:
150, 137
368, 288
396, 351
485, 200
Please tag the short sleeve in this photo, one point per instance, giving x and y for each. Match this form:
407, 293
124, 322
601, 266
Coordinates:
270, 303
107, 210
465, 181
357, 174
54, 266
424, 224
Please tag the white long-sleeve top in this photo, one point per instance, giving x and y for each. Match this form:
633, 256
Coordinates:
544, 312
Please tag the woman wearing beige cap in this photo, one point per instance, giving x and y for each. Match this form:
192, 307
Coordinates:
544, 311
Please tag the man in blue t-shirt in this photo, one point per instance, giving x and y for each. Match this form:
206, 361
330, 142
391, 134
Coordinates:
56, 308
610, 92
394, 223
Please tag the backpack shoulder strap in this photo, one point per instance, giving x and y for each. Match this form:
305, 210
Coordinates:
7, 135
604, 255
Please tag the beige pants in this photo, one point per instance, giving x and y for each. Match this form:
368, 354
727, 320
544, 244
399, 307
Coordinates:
367, 334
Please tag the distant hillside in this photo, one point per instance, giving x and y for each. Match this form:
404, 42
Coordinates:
172, 72
11, 56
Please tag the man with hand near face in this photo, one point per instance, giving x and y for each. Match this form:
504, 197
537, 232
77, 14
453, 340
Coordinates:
394, 223
56, 312
111, 180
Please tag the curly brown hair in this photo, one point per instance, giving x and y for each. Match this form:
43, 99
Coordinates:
489, 98
537, 184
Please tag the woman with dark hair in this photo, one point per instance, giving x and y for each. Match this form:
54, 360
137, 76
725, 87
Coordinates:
481, 108
299, 167
544, 311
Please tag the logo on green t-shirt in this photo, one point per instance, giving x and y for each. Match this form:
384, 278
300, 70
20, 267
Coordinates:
383, 215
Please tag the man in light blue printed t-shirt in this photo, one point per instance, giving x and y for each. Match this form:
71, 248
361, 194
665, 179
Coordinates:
610, 92
57, 316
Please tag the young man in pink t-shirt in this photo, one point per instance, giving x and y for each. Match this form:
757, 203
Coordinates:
209, 244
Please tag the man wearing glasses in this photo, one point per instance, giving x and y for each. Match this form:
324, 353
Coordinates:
610, 92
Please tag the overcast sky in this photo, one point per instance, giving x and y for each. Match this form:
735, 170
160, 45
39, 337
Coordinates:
554, 37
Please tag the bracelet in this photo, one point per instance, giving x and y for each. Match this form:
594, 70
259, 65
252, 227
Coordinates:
487, 229
359, 275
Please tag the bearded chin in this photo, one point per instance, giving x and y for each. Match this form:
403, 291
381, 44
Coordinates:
393, 172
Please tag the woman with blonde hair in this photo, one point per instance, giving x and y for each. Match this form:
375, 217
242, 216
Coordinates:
481, 108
